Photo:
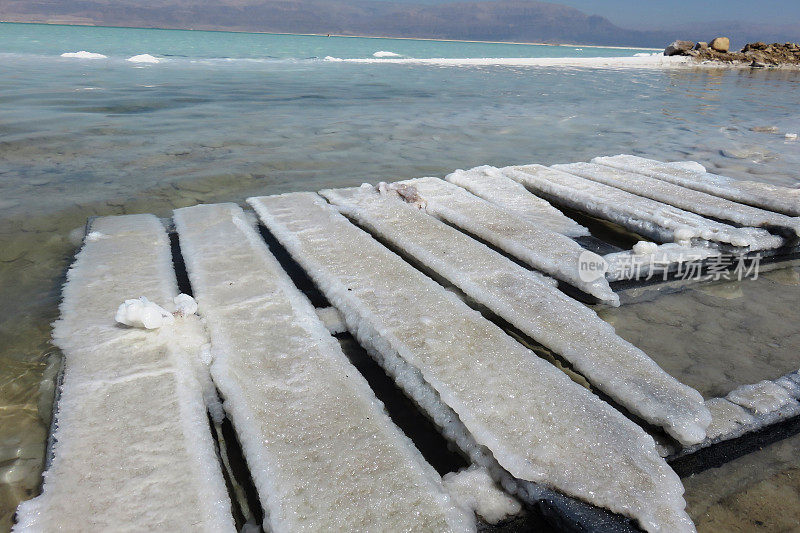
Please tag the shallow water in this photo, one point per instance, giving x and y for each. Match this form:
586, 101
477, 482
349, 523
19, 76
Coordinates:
92, 137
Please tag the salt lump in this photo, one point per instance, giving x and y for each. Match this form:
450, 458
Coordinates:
762, 397
142, 313
474, 489
143, 58
486, 391
185, 305
645, 248
83, 54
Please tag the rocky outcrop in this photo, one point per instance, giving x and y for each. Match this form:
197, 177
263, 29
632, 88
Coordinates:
720, 44
678, 48
757, 55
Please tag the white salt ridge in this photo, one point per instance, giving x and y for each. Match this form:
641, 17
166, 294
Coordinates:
133, 447
143, 58
682, 197
332, 319
547, 251
542, 312
491, 184
784, 200
644, 261
83, 54
474, 489
539, 425
649, 218
320, 447
657, 61
762, 397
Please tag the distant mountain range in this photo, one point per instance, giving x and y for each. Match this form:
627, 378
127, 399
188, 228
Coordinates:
499, 20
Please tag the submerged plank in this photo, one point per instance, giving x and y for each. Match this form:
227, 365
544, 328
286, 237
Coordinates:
655, 263
649, 218
490, 184
784, 200
323, 453
133, 447
542, 312
483, 388
685, 198
550, 252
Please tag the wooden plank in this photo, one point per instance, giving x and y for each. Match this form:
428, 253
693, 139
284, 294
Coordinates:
321, 449
133, 446
487, 392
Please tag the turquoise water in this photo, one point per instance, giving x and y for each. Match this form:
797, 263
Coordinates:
92, 137
176, 44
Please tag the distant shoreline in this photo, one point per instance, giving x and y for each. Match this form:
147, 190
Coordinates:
577, 45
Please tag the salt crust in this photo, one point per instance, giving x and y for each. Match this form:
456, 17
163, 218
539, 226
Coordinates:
487, 392
542, 312
547, 251
133, 449
474, 489
762, 397
491, 184
649, 218
683, 197
784, 200
321, 449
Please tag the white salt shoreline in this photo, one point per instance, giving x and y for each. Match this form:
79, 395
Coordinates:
651, 61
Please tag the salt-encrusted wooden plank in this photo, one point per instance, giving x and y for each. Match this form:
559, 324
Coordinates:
490, 184
133, 447
784, 200
550, 252
685, 198
321, 449
542, 312
649, 218
482, 387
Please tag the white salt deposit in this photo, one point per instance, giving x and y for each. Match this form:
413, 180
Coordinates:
542, 312
83, 54
645, 248
727, 419
693, 166
132, 447
547, 251
94, 236
649, 218
143, 58
762, 397
332, 319
185, 305
538, 424
791, 136
384, 53
491, 184
657, 61
322, 451
792, 386
474, 489
772, 197
683, 197
142, 313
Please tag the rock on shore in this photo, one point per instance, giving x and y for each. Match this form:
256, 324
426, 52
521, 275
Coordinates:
756, 54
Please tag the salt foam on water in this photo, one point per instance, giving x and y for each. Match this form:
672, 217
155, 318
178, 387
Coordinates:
83, 54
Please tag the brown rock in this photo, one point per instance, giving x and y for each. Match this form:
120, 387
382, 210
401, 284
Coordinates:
702, 45
678, 48
720, 44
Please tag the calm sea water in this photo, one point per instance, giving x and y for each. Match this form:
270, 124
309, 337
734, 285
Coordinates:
227, 115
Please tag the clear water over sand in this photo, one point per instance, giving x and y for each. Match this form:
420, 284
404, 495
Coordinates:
91, 137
